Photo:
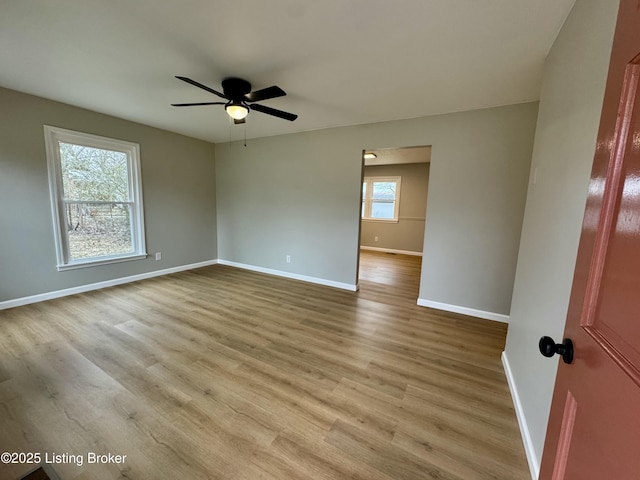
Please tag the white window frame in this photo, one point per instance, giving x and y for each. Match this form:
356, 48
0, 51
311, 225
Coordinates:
53, 136
368, 199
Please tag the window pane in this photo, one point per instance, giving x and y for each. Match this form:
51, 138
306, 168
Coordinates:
93, 174
97, 230
382, 210
382, 200
384, 191
96, 195
364, 191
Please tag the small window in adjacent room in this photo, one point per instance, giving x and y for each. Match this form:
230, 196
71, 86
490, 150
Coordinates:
96, 198
381, 198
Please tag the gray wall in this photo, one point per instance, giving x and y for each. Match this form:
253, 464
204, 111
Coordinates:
299, 195
178, 177
296, 195
408, 233
572, 93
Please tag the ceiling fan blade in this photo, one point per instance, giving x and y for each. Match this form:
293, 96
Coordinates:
193, 104
272, 111
265, 94
239, 122
199, 85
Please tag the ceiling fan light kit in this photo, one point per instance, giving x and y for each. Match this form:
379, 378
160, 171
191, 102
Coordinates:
240, 99
237, 111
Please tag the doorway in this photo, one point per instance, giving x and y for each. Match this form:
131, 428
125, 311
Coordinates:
395, 183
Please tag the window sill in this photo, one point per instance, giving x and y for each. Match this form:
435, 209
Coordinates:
380, 220
103, 261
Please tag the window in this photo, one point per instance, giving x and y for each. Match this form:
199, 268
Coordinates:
96, 198
381, 198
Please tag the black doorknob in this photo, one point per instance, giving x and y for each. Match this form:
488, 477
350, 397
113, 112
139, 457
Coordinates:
548, 347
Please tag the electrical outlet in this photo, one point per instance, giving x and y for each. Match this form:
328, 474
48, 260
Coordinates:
375, 239
288, 258
158, 256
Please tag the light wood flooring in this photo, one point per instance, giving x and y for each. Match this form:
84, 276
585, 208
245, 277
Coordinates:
227, 374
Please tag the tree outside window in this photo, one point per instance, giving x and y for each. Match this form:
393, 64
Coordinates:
96, 198
381, 198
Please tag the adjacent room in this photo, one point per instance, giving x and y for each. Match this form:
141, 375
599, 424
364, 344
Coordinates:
300, 240
394, 202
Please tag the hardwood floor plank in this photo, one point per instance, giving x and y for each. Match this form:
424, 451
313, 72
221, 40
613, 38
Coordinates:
391, 386
451, 460
170, 447
456, 375
468, 454
387, 458
228, 374
260, 404
466, 404
320, 460
321, 399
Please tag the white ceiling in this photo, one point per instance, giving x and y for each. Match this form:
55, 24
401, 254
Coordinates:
341, 62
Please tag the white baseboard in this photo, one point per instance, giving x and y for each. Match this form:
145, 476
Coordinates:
96, 286
294, 276
534, 463
498, 317
391, 250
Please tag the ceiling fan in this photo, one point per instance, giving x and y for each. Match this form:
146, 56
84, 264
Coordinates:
240, 99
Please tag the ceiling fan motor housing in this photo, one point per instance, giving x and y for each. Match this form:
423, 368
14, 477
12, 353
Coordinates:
235, 88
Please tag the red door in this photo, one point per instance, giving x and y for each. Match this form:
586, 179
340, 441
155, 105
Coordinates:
594, 426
